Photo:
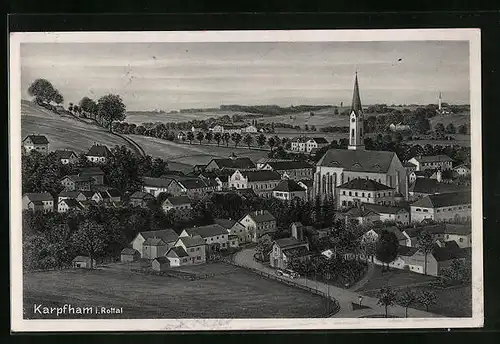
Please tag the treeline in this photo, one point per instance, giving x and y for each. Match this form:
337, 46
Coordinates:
272, 110
334, 129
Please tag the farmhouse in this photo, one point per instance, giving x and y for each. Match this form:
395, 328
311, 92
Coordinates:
285, 250
251, 129
215, 236
194, 247
168, 236
399, 127
262, 182
299, 144
308, 185
388, 213
83, 262
98, 153
295, 170
76, 183
194, 188
315, 143
373, 234
423, 163
66, 156
259, 223
339, 166
160, 264
360, 215
141, 199
154, 247
38, 143
181, 203
43, 202
96, 173
232, 163
424, 187
460, 233
129, 255
452, 206
288, 189
234, 228
68, 195
360, 190
68, 204
155, 186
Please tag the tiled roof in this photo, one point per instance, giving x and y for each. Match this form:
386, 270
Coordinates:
100, 151
141, 195
288, 185
409, 164
192, 241
358, 160
457, 229
177, 252
433, 229
238, 163
91, 171
444, 200
42, 196
406, 251
450, 252
154, 242
70, 194
178, 200
288, 243
383, 209
72, 203
261, 175
319, 140
78, 179
300, 139
156, 182
262, 216
433, 158
307, 182
359, 212
226, 223
289, 165
298, 251
167, 235
207, 231
391, 229
81, 259
37, 139
432, 186
162, 260
64, 154
128, 250
364, 184
113, 192
194, 183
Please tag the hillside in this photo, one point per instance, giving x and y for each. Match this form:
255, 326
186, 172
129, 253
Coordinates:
139, 117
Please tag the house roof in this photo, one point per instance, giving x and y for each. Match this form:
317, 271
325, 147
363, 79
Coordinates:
443, 200
237, 163
409, 164
192, 241
194, 183
406, 250
261, 175
391, 229
113, 192
91, 171
433, 158
319, 140
129, 251
457, 229
178, 200
64, 154
167, 235
78, 179
81, 259
288, 185
364, 184
226, 223
297, 251
432, 186
383, 209
300, 139
359, 212
37, 139
433, 229
307, 182
450, 252
141, 195
70, 194
285, 243
154, 242
358, 160
156, 182
177, 252
289, 165
207, 231
72, 203
261, 216
39, 196
162, 260
100, 151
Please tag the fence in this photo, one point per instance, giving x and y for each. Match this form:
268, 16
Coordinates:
332, 305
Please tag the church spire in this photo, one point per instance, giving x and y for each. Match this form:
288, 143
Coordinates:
356, 100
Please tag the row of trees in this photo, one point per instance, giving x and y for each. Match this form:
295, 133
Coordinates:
388, 297
105, 111
44, 92
441, 130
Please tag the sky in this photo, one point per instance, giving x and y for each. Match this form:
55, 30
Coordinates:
172, 76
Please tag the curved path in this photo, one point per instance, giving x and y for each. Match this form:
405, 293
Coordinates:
344, 297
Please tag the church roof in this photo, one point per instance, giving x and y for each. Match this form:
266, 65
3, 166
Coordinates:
364, 184
356, 100
358, 160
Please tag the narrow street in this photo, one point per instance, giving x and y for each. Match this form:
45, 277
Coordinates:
345, 297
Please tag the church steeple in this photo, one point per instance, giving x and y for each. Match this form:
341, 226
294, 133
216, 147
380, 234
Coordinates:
356, 138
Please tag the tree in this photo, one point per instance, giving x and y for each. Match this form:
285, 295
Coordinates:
217, 138
450, 129
200, 136
190, 137
58, 98
439, 128
306, 127
111, 108
387, 247
425, 244
261, 140
226, 137
248, 140
407, 299
70, 107
427, 298
90, 238
209, 136
463, 129
236, 137
88, 105
42, 90
386, 298
264, 246
271, 142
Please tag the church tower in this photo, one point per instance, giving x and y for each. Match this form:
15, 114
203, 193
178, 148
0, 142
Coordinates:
356, 123
439, 102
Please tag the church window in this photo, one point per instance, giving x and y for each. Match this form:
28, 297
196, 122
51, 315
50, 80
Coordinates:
352, 132
360, 132
350, 193
343, 193
353, 120
363, 194
356, 194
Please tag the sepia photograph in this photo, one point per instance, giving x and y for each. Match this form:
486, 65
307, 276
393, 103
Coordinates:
245, 180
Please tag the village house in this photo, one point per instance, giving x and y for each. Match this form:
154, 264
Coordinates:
76, 183
232, 129
231, 163
66, 156
98, 154
167, 236
316, 143
38, 143
181, 136
214, 236
442, 162
194, 247
373, 234
288, 189
462, 170
291, 169
154, 247
235, 228
67, 195
446, 207
425, 186
96, 173
43, 202
299, 144
155, 186
160, 264
307, 234
141, 199
390, 213
180, 203
250, 129
259, 223
129, 255
194, 188
359, 215
460, 233
68, 204
218, 128
100, 197
262, 182
287, 249
83, 262
360, 190
308, 185
399, 127
410, 167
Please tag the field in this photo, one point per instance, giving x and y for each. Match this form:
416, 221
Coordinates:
240, 294
322, 118
63, 132
394, 278
457, 120
140, 117
192, 154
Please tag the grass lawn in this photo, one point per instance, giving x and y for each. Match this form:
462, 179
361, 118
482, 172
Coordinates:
394, 278
241, 294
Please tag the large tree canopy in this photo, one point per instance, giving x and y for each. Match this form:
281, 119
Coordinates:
44, 91
111, 108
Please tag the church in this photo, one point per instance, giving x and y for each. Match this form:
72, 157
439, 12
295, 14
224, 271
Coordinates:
340, 166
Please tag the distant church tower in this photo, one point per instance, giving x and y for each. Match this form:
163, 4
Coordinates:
356, 122
439, 101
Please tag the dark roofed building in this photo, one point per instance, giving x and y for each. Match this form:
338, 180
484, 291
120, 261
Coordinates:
360, 190
425, 186
66, 156
230, 163
296, 170
261, 181
364, 184
38, 143
287, 249
98, 153
289, 189
358, 160
260, 175
141, 199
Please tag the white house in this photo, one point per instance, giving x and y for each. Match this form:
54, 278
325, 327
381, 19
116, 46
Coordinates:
423, 163
461, 170
98, 153
288, 189
181, 136
155, 186
399, 127
194, 247
211, 234
38, 143
389, 213
262, 182
66, 156
68, 204
361, 190
43, 202
316, 143
287, 249
259, 223
168, 236
235, 228
181, 203
446, 207
299, 144
251, 129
